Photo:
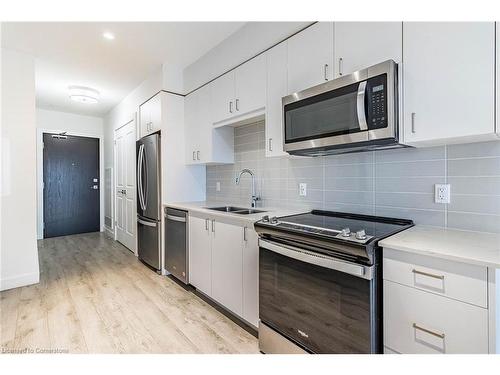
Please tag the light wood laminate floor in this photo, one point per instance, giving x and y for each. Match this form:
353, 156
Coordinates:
94, 296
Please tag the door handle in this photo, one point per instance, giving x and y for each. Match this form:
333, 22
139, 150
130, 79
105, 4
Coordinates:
237, 101
360, 107
197, 155
194, 155
231, 106
270, 144
340, 65
413, 130
176, 218
326, 72
245, 234
146, 223
213, 225
430, 332
206, 224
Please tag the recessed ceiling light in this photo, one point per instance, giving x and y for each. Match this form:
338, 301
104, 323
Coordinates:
109, 36
83, 94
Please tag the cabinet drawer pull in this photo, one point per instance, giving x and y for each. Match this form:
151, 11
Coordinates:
237, 101
413, 130
340, 65
326, 72
440, 335
440, 277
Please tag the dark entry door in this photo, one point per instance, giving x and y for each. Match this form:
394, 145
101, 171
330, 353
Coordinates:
71, 185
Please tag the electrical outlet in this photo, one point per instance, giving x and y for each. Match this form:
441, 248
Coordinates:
217, 186
442, 193
302, 189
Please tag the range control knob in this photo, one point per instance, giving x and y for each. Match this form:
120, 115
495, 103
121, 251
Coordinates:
346, 232
274, 220
361, 234
265, 218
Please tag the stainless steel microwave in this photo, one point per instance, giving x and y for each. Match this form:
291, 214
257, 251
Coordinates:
356, 112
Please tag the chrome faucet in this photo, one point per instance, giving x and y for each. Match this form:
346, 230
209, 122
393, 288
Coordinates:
255, 198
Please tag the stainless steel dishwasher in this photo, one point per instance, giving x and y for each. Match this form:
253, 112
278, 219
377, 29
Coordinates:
176, 243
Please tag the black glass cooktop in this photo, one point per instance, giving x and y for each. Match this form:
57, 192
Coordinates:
316, 221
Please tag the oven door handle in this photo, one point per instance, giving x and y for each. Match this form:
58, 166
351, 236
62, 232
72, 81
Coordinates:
361, 106
358, 270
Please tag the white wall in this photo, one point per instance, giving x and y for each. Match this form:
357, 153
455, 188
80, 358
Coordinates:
251, 39
19, 254
48, 121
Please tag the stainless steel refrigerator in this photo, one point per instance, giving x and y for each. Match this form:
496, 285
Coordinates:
149, 200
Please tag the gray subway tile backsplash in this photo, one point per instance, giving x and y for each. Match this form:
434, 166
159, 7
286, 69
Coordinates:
397, 183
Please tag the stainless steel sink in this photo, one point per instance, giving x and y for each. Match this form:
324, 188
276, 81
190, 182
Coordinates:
226, 208
236, 210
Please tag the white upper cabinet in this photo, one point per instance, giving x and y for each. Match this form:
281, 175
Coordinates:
359, 45
222, 97
310, 57
150, 116
239, 93
204, 144
276, 89
449, 81
250, 86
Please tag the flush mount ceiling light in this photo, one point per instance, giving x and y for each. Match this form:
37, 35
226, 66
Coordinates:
107, 35
83, 94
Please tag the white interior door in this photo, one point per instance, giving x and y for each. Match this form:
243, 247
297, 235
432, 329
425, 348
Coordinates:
125, 192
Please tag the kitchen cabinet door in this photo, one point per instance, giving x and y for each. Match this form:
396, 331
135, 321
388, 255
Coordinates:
251, 276
227, 266
200, 254
198, 127
250, 86
276, 89
448, 80
150, 115
222, 97
359, 45
310, 57
191, 107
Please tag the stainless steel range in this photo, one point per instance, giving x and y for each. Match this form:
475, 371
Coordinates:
320, 276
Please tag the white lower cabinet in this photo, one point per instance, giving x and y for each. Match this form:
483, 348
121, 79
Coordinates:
223, 264
227, 288
433, 305
200, 254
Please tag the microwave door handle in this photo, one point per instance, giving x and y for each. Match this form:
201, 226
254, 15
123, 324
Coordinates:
361, 106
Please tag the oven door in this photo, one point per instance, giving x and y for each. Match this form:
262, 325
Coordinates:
322, 304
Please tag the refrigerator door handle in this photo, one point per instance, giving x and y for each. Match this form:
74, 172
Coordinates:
139, 180
145, 183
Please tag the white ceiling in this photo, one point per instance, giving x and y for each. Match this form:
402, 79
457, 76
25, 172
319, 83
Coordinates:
76, 54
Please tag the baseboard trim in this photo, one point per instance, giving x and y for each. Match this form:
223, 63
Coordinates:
19, 281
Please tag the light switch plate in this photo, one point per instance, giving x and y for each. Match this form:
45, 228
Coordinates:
303, 189
442, 193
217, 186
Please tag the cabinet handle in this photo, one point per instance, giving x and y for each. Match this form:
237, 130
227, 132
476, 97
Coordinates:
236, 104
245, 234
440, 335
197, 155
270, 144
440, 277
213, 225
231, 106
206, 224
340, 65
413, 122
194, 155
326, 72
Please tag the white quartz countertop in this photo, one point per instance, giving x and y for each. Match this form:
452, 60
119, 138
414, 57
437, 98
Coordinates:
201, 207
462, 246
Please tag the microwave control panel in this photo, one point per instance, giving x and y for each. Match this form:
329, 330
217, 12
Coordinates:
377, 102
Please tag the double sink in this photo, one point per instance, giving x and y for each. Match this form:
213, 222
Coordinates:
236, 210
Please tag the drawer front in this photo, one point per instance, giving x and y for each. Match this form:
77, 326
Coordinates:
420, 322
460, 281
